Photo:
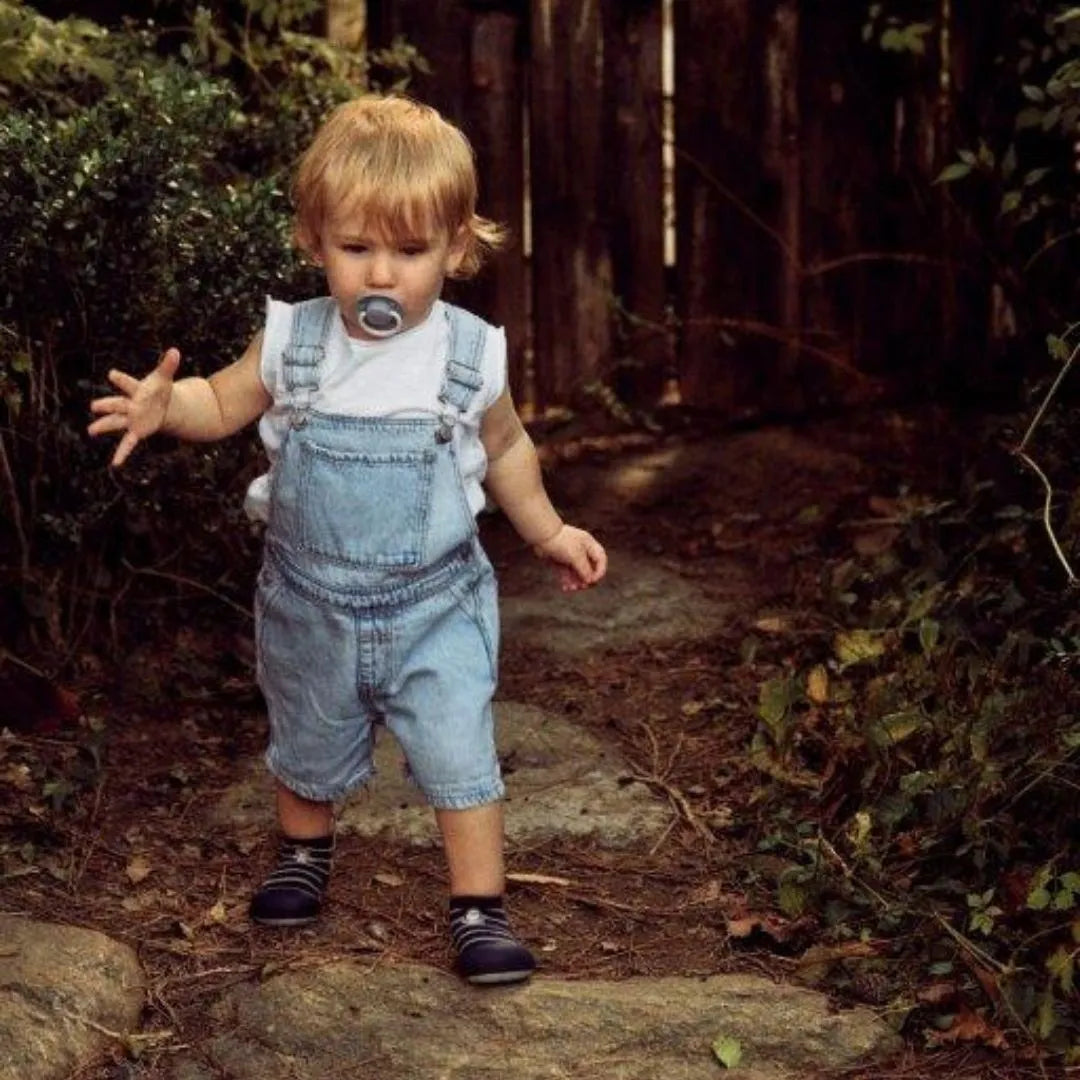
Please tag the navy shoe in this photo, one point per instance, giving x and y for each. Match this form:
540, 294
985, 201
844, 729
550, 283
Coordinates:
292, 894
488, 954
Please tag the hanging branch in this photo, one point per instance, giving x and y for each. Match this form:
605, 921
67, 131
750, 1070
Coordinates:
1027, 459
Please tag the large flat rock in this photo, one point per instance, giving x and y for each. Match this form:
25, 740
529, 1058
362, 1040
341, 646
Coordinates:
640, 601
561, 781
65, 994
414, 1023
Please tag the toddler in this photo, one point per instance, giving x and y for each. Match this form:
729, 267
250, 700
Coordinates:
383, 410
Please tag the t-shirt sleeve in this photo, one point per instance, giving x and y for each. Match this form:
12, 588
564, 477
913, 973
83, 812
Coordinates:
494, 365
276, 332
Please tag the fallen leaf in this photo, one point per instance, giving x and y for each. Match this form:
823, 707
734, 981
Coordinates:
138, 869
772, 925
392, 881
817, 685
728, 1051
856, 646
937, 993
18, 777
771, 624
969, 1026
814, 964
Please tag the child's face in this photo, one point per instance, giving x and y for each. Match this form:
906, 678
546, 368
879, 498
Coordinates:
360, 262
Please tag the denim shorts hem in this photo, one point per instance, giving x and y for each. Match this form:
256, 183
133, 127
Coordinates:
458, 798
317, 792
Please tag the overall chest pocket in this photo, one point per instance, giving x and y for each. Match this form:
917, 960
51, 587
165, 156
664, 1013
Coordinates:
365, 509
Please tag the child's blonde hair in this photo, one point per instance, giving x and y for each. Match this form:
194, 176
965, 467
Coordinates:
401, 167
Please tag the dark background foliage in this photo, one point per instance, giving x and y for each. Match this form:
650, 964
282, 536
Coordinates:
143, 201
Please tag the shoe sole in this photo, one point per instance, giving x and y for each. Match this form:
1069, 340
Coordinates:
498, 978
284, 922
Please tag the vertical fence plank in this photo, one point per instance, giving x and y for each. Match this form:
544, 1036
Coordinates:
727, 247
439, 30
494, 121
476, 81
571, 264
839, 112
633, 186
871, 227
781, 159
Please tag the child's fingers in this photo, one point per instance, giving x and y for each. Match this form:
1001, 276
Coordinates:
168, 364
124, 448
106, 424
598, 559
110, 404
125, 383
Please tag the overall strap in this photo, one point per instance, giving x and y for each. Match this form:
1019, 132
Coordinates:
304, 354
463, 376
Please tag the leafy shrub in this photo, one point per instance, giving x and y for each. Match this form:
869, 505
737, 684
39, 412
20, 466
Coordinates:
134, 218
937, 730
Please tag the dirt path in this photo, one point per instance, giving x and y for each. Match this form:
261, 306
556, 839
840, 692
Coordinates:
746, 521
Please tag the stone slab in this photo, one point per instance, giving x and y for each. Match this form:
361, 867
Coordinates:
416, 1023
641, 601
65, 994
561, 781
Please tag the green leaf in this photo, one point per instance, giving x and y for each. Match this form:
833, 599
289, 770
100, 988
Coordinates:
956, 171
857, 646
1046, 1014
892, 40
727, 1050
1056, 347
1028, 118
1033, 93
929, 634
774, 700
1062, 966
1038, 899
898, 726
1011, 201
791, 897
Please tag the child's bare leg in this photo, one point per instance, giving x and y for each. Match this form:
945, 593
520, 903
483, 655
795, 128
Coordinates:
302, 819
473, 841
292, 894
487, 951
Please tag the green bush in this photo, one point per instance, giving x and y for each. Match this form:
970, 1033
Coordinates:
142, 206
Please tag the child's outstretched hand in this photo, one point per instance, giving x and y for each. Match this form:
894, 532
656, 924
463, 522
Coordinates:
580, 557
139, 410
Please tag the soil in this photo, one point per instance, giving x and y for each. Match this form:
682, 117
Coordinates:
117, 842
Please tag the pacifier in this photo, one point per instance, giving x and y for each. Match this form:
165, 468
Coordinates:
379, 316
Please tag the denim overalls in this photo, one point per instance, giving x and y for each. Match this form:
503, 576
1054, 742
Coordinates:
375, 601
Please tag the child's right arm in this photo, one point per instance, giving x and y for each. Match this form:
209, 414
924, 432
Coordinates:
194, 409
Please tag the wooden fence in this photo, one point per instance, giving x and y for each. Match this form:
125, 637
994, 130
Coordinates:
816, 261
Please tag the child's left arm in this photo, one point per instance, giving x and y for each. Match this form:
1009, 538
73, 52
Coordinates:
515, 483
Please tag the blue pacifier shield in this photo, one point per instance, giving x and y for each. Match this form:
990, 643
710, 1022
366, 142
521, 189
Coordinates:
379, 316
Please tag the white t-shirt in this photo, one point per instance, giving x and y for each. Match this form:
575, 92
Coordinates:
396, 376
